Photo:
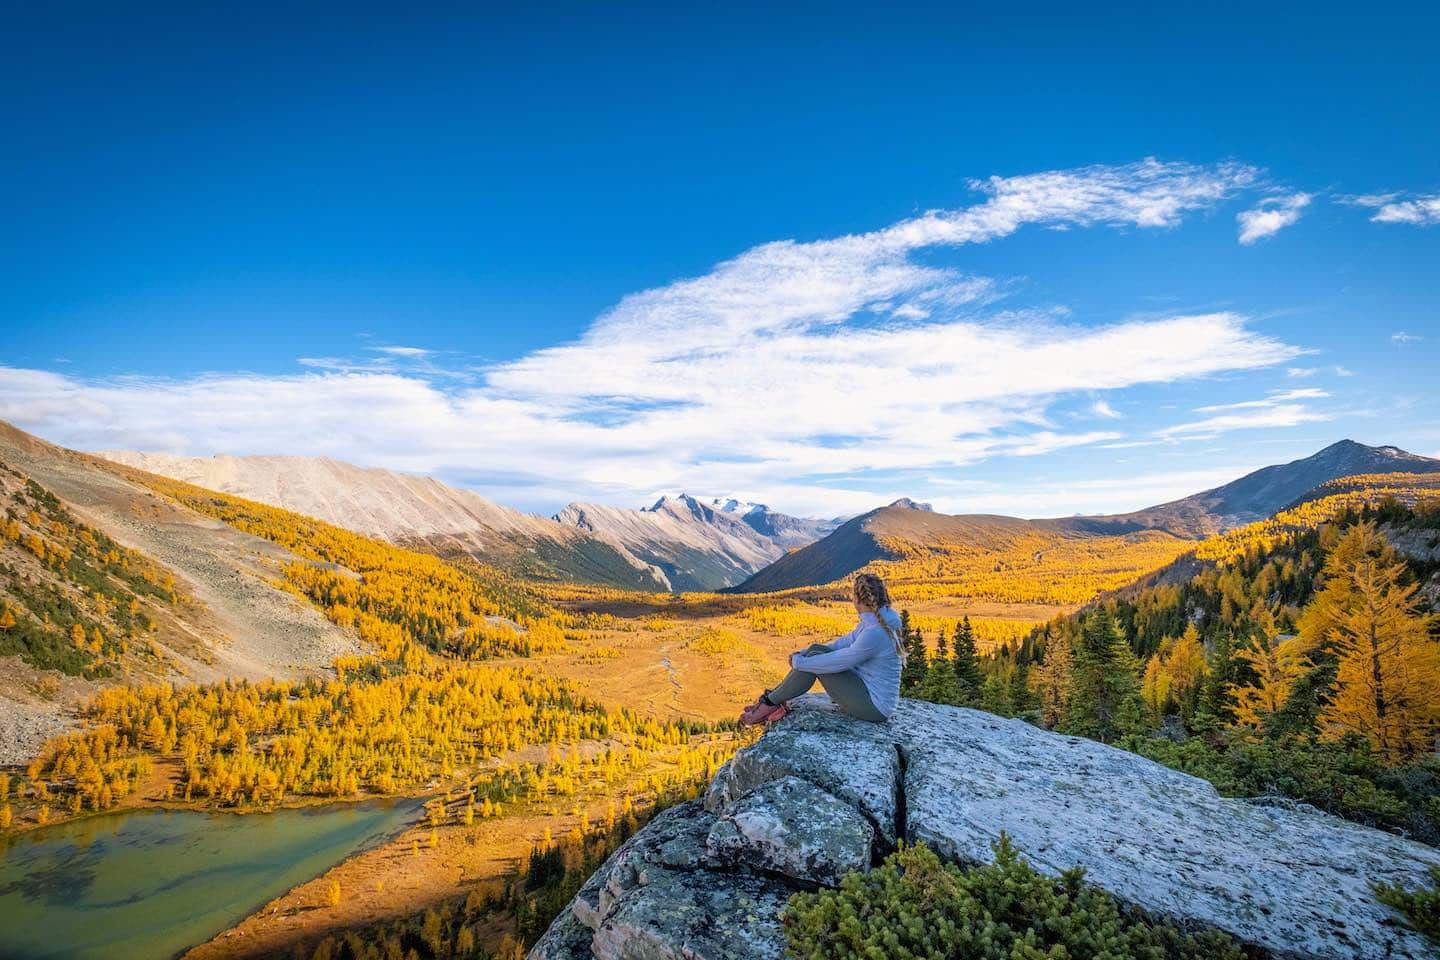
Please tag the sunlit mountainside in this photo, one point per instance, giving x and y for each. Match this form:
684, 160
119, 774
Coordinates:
412, 702
676, 544
1257, 495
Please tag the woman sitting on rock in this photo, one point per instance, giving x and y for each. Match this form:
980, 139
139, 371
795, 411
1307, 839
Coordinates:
860, 671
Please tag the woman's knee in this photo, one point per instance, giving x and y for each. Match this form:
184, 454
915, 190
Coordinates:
817, 648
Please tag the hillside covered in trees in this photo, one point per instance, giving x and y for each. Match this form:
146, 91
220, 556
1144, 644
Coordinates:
71, 598
1296, 657
443, 700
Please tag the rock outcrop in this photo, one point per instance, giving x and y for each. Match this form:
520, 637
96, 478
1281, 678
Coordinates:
821, 794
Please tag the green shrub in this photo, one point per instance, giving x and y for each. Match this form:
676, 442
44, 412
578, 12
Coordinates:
915, 906
1421, 907
1343, 777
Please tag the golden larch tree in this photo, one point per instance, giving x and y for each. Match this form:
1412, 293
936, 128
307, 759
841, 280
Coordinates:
1278, 662
1155, 684
1054, 682
1186, 663
1388, 678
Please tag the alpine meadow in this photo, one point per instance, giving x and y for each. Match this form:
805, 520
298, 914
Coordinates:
639, 483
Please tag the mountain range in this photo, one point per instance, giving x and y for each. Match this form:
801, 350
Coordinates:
1257, 495
678, 543
693, 545
682, 543
230, 620
905, 527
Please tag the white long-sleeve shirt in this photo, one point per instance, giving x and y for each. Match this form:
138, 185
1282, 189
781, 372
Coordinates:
869, 652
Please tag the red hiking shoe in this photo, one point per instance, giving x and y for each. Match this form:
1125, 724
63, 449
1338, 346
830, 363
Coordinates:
762, 712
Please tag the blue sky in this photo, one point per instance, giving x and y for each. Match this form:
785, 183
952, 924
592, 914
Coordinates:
542, 252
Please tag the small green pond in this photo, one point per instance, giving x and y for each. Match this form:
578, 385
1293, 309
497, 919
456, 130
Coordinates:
148, 884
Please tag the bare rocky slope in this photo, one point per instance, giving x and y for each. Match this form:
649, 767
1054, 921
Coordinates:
410, 510
695, 545
238, 623
784, 530
677, 544
821, 794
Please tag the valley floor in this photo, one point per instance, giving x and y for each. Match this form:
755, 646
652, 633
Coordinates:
704, 656
692, 656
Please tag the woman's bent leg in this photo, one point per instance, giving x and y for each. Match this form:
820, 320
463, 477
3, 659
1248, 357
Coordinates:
851, 695
795, 683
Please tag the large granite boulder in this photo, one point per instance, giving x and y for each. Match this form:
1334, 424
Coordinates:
793, 828
850, 759
665, 895
821, 794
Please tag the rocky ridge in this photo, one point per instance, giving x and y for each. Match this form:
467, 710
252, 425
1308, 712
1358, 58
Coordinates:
678, 543
691, 545
413, 511
822, 794
238, 624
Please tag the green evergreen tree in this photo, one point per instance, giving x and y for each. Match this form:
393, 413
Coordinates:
1300, 714
915, 660
995, 692
939, 684
1106, 703
1214, 708
967, 663
1022, 701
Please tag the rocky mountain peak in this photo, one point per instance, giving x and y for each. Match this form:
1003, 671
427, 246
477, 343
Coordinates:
738, 507
1347, 449
908, 504
682, 505
821, 794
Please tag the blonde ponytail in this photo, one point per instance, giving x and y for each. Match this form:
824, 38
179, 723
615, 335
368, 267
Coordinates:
870, 591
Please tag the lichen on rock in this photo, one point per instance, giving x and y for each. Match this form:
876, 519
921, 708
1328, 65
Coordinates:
792, 827
852, 760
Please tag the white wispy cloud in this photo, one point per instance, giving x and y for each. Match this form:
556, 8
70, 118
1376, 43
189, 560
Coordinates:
1103, 410
1275, 397
1305, 373
408, 352
1280, 408
1418, 210
779, 373
1366, 199
1270, 216
1401, 338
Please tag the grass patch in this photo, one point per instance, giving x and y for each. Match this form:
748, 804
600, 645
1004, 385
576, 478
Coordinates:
723, 646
